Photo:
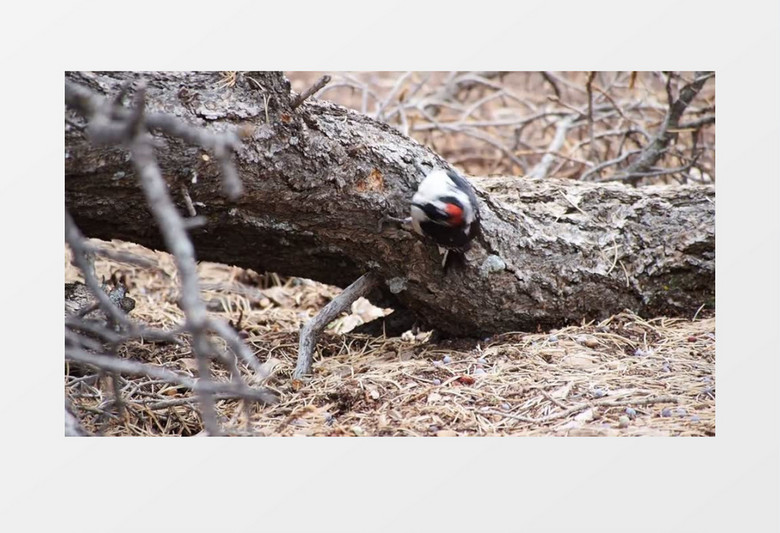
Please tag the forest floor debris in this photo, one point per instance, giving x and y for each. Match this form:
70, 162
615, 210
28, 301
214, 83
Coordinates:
624, 376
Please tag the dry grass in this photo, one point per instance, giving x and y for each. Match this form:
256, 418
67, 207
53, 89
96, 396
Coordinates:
574, 381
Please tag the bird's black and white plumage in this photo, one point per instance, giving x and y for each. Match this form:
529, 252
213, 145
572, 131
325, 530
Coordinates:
444, 209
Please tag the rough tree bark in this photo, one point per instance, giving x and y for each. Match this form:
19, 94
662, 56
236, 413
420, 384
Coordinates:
319, 178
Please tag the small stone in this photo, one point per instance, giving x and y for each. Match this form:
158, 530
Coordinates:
436, 363
492, 263
478, 372
695, 418
681, 411
505, 406
623, 421
357, 430
433, 428
552, 338
692, 339
599, 393
437, 381
631, 412
590, 342
639, 352
482, 361
666, 412
396, 285
666, 368
446, 359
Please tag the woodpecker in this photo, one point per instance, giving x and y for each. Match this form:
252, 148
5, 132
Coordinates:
444, 209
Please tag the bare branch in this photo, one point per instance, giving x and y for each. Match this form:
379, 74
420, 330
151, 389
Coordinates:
174, 231
178, 243
185, 194
134, 368
309, 333
634, 176
119, 256
384, 103
601, 166
551, 81
589, 90
696, 123
541, 170
305, 95
76, 240
666, 133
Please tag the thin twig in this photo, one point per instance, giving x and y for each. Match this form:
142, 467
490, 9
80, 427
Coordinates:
586, 176
178, 243
543, 167
120, 256
396, 87
551, 81
582, 406
134, 368
185, 194
591, 136
305, 95
632, 177
171, 224
653, 151
75, 240
696, 124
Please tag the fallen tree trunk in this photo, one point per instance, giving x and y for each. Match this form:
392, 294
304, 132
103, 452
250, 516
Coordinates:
318, 178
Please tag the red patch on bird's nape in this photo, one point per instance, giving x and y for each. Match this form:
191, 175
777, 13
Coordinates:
455, 213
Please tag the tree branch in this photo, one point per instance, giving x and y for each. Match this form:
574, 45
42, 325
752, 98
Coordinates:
309, 333
666, 133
